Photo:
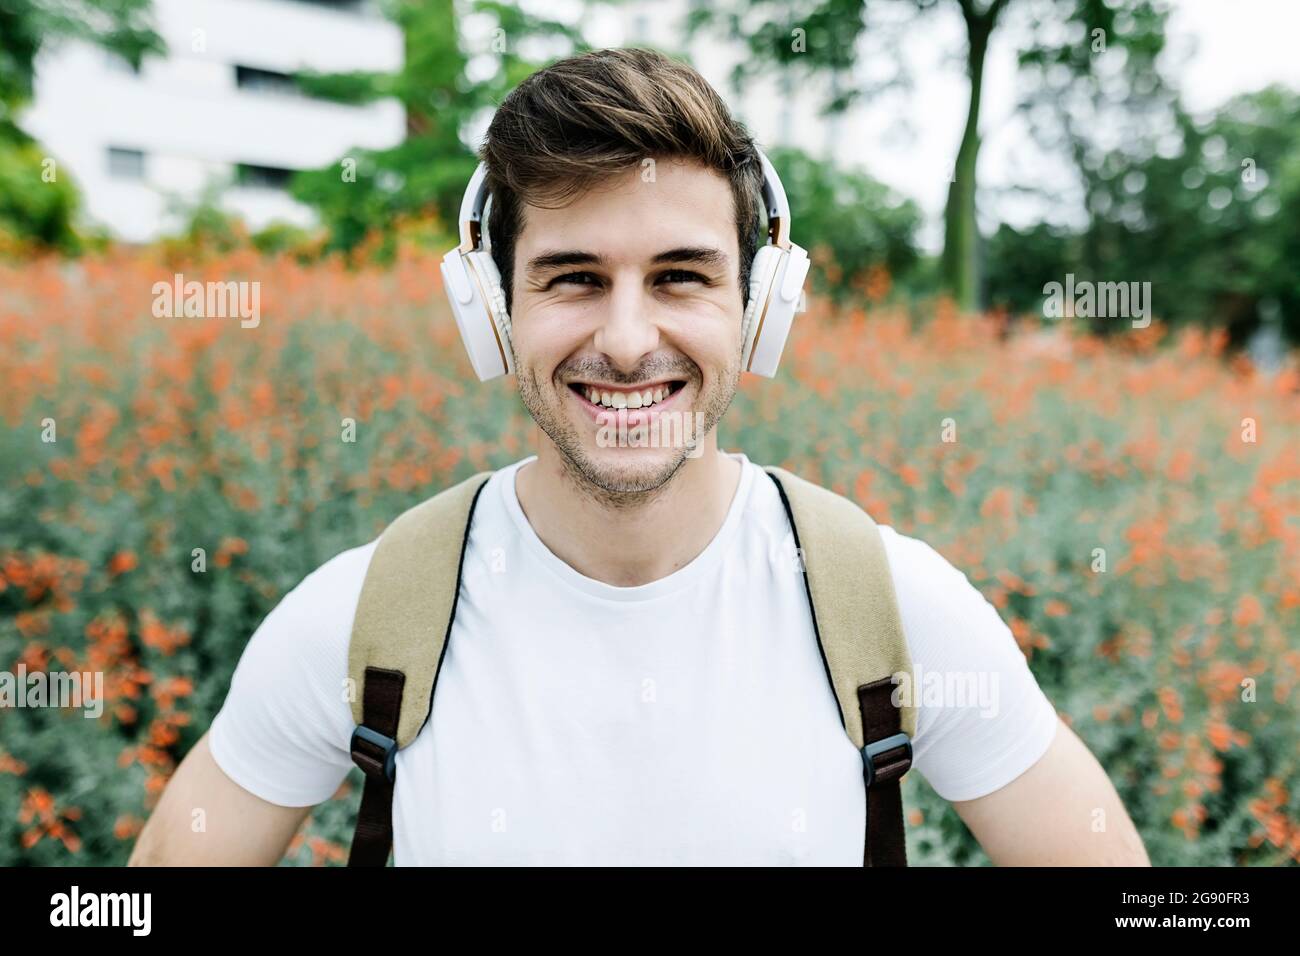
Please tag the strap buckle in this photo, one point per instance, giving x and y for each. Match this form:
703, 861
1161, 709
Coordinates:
385, 761
893, 769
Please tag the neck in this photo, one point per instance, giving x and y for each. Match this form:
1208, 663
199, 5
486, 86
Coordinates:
633, 539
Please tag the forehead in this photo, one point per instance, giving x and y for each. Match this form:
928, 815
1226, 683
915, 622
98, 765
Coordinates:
637, 212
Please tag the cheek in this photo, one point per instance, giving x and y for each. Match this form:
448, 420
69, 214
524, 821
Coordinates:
542, 340
712, 339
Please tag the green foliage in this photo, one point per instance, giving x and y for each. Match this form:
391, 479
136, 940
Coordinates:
283, 237
419, 176
26, 25
862, 222
38, 202
1208, 213
1216, 226
369, 191
1019, 263
32, 208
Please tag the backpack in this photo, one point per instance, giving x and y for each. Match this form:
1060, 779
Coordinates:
408, 603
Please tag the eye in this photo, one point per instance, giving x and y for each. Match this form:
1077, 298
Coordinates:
574, 278
682, 275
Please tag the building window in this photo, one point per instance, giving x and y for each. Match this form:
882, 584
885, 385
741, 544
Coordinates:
265, 81
125, 163
262, 177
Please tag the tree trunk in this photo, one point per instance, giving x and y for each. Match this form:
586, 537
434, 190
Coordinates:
961, 232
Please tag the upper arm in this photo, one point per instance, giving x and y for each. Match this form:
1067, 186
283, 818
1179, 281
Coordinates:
988, 740
206, 819
1062, 811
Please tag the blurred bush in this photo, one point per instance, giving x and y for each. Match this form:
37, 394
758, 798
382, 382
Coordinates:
36, 211
176, 434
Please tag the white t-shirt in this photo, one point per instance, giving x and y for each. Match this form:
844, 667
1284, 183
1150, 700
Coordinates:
684, 721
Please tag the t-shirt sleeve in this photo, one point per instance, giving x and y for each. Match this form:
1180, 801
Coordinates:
285, 729
982, 719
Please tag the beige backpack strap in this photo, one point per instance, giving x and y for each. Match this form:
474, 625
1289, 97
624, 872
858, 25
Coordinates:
399, 636
858, 628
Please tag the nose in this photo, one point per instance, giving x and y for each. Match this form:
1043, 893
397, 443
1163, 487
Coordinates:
629, 332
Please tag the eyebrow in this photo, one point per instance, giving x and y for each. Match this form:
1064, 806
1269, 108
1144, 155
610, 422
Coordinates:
699, 255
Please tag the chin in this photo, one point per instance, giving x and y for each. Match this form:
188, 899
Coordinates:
629, 470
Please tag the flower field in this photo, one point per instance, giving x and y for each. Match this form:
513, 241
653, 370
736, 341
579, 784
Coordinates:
1131, 506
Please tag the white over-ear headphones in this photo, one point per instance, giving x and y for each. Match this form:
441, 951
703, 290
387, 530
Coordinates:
473, 285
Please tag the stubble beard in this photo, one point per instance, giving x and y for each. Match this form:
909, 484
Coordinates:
617, 486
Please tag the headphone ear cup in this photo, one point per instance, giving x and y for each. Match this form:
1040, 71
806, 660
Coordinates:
487, 269
474, 292
762, 273
772, 325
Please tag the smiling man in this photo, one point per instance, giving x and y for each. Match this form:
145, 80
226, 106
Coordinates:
616, 316
628, 676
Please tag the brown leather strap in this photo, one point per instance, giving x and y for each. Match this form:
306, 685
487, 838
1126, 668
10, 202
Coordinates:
400, 636
885, 844
382, 707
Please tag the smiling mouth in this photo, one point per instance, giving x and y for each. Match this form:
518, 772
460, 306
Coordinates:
645, 396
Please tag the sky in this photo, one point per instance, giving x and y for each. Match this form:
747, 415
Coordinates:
1231, 47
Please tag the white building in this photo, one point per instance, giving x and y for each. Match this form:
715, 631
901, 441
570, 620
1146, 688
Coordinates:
218, 109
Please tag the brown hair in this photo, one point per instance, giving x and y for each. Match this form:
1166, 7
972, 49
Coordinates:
589, 116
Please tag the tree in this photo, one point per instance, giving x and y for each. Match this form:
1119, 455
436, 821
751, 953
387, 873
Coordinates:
35, 202
827, 39
1208, 212
369, 190
1214, 223
1095, 91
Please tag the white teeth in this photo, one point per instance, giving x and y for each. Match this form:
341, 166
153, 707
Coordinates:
643, 399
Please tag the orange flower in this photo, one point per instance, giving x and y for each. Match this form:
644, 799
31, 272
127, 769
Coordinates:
1248, 611
1056, 608
122, 562
997, 504
1220, 735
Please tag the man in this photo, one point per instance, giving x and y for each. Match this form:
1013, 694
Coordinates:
631, 678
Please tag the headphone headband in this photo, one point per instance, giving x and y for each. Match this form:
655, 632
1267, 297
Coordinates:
475, 200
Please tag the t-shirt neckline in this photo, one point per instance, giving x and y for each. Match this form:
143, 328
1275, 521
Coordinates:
685, 576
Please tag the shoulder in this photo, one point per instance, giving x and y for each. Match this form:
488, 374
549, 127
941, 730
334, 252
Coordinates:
945, 617
982, 718
327, 597
310, 628
919, 571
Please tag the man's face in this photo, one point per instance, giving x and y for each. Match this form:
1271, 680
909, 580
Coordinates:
630, 295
